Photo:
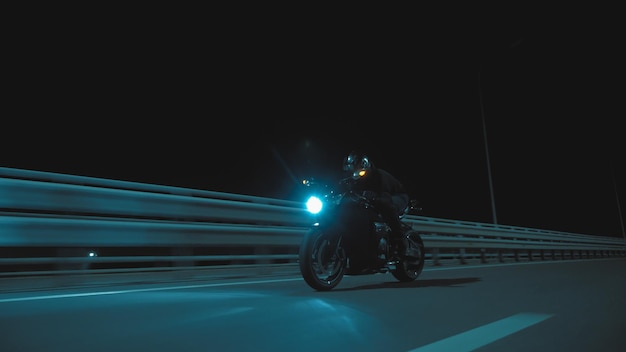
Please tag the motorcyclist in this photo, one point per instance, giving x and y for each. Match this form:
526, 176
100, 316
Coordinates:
389, 194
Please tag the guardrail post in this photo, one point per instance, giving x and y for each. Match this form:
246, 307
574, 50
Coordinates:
65, 252
462, 256
483, 257
262, 263
180, 251
541, 255
435, 256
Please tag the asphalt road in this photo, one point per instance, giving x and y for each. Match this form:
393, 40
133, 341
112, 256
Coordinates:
540, 306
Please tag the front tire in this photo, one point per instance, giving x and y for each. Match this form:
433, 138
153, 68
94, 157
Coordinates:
322, 260
409, 270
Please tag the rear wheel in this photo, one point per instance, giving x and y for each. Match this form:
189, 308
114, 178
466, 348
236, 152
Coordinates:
322, 260
410, 268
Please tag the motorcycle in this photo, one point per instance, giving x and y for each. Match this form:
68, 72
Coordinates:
350, 237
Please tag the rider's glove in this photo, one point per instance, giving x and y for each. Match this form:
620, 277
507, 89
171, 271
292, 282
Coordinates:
370, 195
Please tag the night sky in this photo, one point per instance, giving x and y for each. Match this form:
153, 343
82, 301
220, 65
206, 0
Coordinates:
252, 106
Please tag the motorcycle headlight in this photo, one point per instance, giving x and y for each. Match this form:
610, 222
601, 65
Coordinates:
314, 205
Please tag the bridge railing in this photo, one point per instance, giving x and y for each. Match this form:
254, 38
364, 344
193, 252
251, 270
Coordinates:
55, 224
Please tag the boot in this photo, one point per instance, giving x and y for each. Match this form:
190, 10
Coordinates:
409, 250
406, 248
382, 249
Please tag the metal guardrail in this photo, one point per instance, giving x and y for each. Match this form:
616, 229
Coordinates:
51, 223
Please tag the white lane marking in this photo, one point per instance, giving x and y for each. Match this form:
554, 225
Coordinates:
86, 294
484, 335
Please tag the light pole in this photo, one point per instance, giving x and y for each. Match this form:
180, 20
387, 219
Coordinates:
619, 208
482, 112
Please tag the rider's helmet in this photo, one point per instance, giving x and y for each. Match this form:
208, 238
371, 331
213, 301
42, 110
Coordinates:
357, 165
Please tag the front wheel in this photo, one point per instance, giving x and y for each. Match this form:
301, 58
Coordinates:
410, 268
322, 259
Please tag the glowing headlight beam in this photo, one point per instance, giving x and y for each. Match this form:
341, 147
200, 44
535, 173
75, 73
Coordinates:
314, 205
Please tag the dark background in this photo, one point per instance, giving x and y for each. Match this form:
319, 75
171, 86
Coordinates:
242, 103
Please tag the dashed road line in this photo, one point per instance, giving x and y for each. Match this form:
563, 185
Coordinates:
484, 335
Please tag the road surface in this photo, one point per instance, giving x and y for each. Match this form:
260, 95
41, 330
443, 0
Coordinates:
568, 305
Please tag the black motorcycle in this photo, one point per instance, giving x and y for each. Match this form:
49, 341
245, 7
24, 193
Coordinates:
350, 237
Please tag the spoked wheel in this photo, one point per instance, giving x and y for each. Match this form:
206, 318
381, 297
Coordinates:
410, 268
322, 260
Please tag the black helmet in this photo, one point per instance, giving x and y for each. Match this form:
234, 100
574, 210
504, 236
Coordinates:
357, 165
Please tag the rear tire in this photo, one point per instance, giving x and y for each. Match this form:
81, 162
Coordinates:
408, 270
322, 260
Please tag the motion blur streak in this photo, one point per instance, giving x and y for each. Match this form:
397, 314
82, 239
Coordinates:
143, 290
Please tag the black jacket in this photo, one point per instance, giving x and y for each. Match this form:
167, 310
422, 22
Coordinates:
387, 189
